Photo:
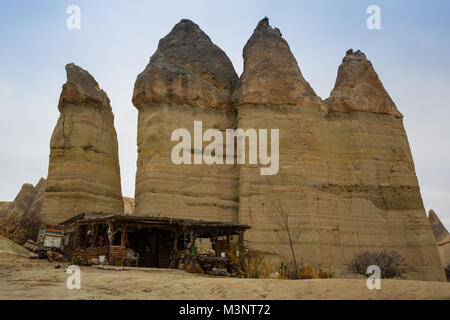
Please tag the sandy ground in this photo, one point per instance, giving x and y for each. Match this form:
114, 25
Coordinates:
23, 278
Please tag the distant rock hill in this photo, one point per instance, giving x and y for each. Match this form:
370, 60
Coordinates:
439, 230
442, 240
20, 219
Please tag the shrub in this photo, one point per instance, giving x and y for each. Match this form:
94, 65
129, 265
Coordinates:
391, 263
253, 264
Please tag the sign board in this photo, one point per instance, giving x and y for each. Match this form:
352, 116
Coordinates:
51, 241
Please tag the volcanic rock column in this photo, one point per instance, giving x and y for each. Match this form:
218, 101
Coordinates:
272, 94
188, 79
84, 172
373, 178
346, 175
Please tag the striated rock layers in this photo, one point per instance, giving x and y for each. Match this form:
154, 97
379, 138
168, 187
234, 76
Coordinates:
346, 175
20, 219
188, 79
346, 178
84, 172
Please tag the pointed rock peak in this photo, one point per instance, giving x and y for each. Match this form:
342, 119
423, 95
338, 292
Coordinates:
354, 57
186, 69
432, 216
185, 30
81, 88
271, 73
81, 77
358, 88
25, 195
439, 230
26, 187
264, 29
41, 184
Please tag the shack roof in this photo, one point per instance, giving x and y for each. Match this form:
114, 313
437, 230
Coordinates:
202, 227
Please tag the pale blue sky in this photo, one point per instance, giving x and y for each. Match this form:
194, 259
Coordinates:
410, 53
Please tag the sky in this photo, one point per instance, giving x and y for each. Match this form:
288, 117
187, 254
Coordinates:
116, 38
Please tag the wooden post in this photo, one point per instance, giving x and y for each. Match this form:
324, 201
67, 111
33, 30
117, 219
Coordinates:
122, 237
241, 240
191, 241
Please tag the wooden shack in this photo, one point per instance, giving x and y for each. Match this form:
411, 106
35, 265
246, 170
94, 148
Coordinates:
144, 241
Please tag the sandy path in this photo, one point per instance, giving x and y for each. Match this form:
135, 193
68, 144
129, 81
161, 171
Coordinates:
22, 278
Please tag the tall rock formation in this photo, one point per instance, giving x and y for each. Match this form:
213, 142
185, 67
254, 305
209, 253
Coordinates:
188, 79
20, 220
346, 177
84, 172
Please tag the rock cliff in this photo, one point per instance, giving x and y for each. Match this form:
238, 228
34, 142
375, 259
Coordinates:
84, 172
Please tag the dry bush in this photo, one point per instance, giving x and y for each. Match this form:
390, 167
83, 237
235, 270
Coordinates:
252, 264
308, 272
391, 263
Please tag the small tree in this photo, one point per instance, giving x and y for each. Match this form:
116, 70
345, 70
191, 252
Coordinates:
391, 263
281, 215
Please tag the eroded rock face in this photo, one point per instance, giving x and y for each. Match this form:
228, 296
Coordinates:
187, 69
84, 172
201, 90
188, 79
20, 220
439, 229
358, 88
346, 177
271, 73
346, 174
